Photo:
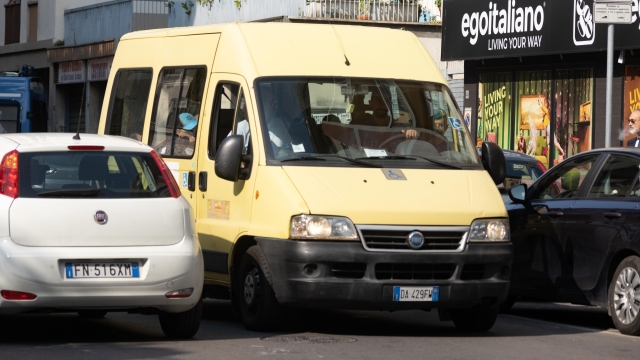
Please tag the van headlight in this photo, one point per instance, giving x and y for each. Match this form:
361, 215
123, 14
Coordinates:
322, 227
490, 230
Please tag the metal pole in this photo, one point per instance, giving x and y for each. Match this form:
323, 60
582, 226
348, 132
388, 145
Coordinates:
607, 129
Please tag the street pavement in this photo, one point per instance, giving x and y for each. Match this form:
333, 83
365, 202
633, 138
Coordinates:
529, 331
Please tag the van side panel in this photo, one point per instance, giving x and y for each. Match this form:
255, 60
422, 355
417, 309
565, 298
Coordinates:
276, 201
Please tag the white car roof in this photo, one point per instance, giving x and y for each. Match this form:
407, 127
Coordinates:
33, 142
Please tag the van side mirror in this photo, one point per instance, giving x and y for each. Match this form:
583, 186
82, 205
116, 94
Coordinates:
518, 194
229, 158
494, 162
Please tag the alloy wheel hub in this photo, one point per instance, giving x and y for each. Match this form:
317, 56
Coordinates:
626, 297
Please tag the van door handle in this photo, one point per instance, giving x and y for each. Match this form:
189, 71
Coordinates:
202, 181
191, 183
612, 215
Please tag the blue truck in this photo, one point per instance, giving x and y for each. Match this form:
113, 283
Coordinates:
23, 105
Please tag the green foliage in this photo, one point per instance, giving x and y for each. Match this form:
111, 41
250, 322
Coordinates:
169, 4
187, 5
438, 3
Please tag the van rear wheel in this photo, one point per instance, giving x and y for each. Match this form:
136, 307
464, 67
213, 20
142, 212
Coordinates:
476, 319
259, 308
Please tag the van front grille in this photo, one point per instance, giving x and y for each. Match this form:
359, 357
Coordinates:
415, 271
395, 238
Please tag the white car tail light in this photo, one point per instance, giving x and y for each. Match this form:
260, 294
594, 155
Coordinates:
166, 174
9, 174
179, 294
17, 295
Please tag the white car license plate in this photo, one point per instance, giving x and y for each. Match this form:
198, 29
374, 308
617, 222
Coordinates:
411, 293
102, 270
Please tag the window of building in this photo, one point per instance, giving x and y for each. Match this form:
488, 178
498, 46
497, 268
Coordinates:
129, 103
32, 34
12, 22
176, 111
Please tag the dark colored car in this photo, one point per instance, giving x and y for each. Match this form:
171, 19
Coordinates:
521, 169
576, 235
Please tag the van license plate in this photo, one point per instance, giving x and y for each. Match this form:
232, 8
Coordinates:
422, 293
102, 270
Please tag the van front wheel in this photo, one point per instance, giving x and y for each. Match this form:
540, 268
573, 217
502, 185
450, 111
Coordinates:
259, 308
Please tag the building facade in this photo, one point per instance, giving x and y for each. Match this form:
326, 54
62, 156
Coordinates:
71, 44
535, 74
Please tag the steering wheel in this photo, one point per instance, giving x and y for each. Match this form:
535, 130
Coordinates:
394, 137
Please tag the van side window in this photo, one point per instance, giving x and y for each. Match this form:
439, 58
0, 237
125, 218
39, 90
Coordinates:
222, 115
241, 122
176, 111
129, 103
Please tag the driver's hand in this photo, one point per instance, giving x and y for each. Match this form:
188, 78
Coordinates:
410, 134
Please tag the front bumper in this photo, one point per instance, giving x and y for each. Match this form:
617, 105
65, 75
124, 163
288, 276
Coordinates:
40, 271
324, 274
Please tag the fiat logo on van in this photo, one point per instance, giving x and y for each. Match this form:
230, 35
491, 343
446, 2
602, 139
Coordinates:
100, 217
415, 240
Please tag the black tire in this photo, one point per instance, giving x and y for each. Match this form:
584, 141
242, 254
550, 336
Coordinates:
617, 297
92, 314
508, 303
259, 308
476, 319
182, 325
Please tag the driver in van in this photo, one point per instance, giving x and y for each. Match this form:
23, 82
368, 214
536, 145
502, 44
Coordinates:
380, 115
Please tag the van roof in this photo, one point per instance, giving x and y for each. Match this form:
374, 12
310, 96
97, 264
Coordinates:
290, 49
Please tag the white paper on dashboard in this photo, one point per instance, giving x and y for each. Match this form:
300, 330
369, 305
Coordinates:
375, 152
297, 148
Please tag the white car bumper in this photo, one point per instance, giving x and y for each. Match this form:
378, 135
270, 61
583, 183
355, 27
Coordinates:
41, 271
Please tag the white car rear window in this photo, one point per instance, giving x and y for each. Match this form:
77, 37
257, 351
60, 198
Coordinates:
81, 174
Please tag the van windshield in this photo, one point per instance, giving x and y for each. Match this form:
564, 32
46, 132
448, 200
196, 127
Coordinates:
374, 121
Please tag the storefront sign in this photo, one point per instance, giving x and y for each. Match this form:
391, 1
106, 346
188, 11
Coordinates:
482, 29
631, 101
99, 69
71, 72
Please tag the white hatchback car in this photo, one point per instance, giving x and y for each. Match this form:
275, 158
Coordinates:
96, 225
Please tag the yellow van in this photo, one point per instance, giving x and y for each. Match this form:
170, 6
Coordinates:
327, 167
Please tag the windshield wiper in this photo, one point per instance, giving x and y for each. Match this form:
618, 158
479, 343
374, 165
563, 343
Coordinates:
413, 157
321, 157
71, 192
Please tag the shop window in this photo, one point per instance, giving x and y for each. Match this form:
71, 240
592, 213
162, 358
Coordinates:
129, 103
176, 111
12, 22
533, 104
32, 34
222, 116
494, 109
573, 104
631, 103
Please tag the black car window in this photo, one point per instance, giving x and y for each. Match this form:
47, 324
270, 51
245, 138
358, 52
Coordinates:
564, 180
616, 177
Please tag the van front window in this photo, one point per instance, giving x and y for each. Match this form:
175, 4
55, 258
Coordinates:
374, 121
